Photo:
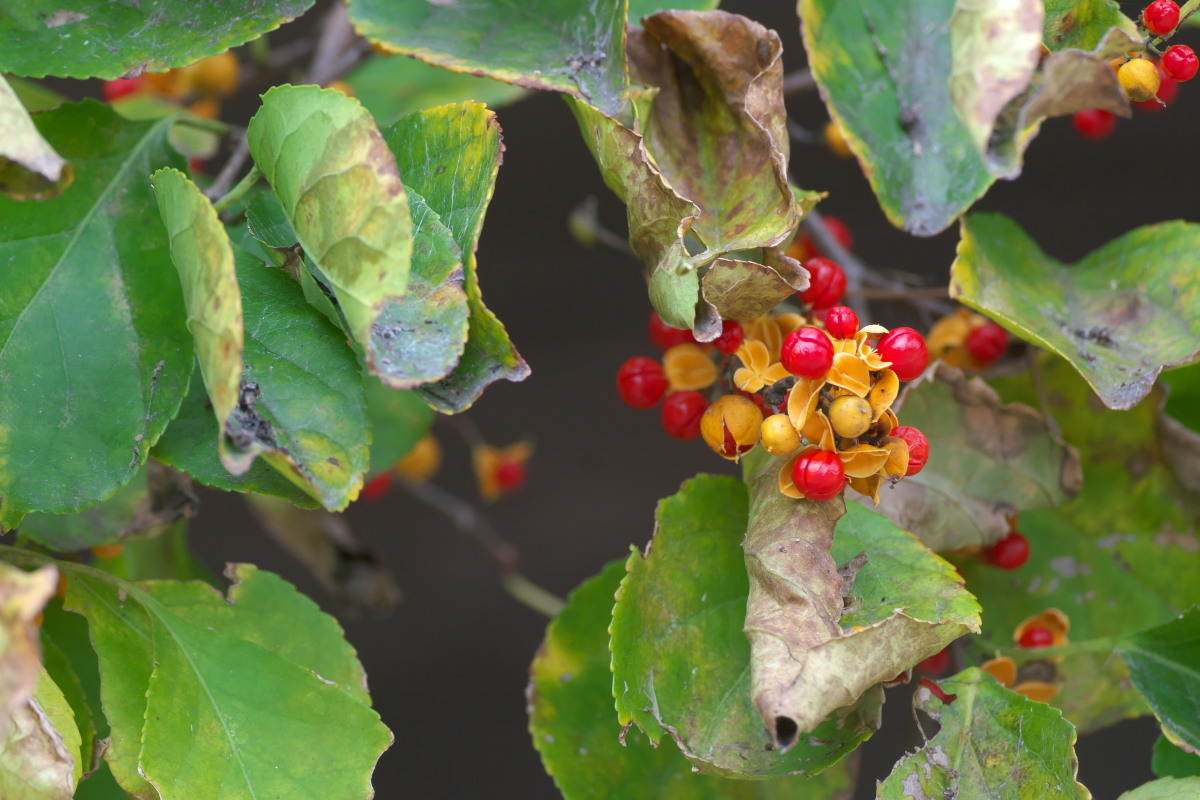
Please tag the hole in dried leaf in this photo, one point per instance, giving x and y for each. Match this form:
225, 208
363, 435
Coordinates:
785, 732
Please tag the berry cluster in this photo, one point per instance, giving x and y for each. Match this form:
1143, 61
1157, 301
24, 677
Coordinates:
967, 340
813, 388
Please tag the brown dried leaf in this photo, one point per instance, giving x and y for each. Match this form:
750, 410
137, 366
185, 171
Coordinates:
22, 596
740, 290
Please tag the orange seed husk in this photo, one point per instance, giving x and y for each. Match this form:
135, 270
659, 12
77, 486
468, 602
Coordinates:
731, 426
688, 367
422, 462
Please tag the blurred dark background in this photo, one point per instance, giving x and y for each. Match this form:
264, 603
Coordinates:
449, 668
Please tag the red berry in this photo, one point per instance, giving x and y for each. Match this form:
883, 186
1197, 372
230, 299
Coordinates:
681, 413
1161, 16
840, 231
1010, 552
114, 90
819, 474
1036, 637
1095, 123
918, 448
731, 337
377, 488
827, 283
641, 382
841, 322
807, 353
1180, 62
665, 336
987, 342
510, 475
936, 664
906, 349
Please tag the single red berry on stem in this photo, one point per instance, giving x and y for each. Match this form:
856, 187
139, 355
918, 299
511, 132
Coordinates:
641, 382
842, 322
1095, 123
1036, 637
827, 283
510, 475
807, 353
731, 337
906, 349
1161, 17
937, 663
918, 448
1180, 62
377, 488
1010, 552
987, 342
840, 230
681, 413
820, 474
665, 336
114, 90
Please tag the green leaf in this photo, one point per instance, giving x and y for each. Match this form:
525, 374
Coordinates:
1163, 663
488, 38
156, 498
987, 461
62, 673
81, 39
820, 637
644, 8
1082, 24
1173, 762
203, 257
1183, 399
226, 709
1118, 315
29, 167
681, 663
341, 192
882, 67
398, 421
35, 96
302, 399
1164, 789
450, 156
188, 446
392, 86
94, 341
573, 726
100, 785
992, 743
40, 749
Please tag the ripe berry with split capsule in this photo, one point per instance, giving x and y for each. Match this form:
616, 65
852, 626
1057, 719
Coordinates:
1036, 637
827, 283
114, 90
937, 663
681, 414
641, 382
1010, 552
819, 474
377, 488
510, 475
665, 336
1180, 62
1161, 17
918, 448
731, 337
906, 349
807, 353
987, 343
1095, 123
841, 322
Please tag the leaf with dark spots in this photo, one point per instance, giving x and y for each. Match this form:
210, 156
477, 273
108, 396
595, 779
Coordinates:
1083, 24
1119, 315
740, 290
987, 461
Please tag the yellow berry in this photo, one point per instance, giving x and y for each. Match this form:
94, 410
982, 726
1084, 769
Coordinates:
731, 426
205, 107
1139, 78
779, 436
342, 87
108, 550
836, 141
215, 75
422, 462
850, 416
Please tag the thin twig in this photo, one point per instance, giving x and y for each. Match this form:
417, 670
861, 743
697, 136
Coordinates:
337, 36
856, 271
799, 81
906, 293
229, 172
800, 134
473, 524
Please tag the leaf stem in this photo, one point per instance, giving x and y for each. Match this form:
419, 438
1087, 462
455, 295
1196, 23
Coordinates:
237, 159
236, 193
799, 81
202, 124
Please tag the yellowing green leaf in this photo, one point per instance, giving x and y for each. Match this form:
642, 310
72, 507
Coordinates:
39, 752
1165, 789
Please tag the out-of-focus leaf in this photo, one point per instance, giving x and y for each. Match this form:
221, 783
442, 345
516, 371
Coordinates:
190, 140
681, 663
83, 39
882, 69
157, 498
206, 683
82, 719
325, 545
992, 742
341, 192
398, 421
1083, 24
1170, 761
1165, 789
29, 167
35, 96
574, 728
1119, 315
988, 460
1163, 666
450, 155
22, 596
811, 650
1183, 399
95, 346
203, 258
488, 38
644, 8
392, 86
39, 751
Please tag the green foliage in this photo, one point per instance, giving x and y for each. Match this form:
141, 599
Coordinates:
1163, 666
1082, 24
992, 743
79, 39
1174, 762
29, 167
1165, 789
392, 87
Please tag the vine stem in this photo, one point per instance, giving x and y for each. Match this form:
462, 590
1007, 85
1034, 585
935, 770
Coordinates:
224, 179
236, 193
474, 525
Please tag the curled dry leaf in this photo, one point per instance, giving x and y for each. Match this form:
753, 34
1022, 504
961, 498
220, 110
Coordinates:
988, 460
30, 169
39, 749
22, 596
